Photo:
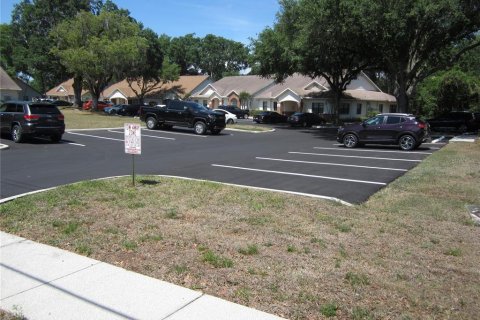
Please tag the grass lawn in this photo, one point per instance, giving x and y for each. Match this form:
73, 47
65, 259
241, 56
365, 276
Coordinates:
80, 119
410, 252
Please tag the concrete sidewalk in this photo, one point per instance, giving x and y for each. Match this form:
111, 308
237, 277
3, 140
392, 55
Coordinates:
43, 282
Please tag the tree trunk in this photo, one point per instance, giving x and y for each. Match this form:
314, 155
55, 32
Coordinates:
77, 91
402, 96
336, 106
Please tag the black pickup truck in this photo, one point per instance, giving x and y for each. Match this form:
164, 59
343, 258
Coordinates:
184, 114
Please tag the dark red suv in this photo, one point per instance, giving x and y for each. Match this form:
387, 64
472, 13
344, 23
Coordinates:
404, 130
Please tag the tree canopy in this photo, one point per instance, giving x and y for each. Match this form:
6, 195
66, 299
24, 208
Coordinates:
31, 25
419, 38
98, 47
317, 38
407, 40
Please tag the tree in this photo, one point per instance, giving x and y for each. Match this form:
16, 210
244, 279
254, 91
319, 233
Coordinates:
7, 49
419, 38
219, 56
244, 98
98, 48
185, 52
152, 70
318, 38
31, 25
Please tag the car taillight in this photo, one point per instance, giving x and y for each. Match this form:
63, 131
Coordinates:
61, 117
30, 117
422, 125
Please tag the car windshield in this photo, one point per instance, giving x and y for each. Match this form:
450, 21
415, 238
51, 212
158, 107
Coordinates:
43, 109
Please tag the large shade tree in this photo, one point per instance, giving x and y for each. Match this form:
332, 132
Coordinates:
31, 24
318, 38
220, 56
153, 69
419, 38
98, 47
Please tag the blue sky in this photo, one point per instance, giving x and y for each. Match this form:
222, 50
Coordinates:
237, 20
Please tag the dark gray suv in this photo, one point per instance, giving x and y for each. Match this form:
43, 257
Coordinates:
23, 119
404, 130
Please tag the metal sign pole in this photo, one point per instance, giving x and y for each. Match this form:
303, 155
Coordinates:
133, 169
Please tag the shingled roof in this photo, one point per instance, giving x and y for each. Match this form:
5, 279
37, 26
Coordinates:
7, 83
250, 84
184, 84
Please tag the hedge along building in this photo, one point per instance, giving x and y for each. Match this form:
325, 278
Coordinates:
298, 93
122, 93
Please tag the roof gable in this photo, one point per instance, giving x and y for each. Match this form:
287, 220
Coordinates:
7, 83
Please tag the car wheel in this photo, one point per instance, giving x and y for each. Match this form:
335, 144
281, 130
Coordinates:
215, 131
304, 124
407, 142
152, 123
350, 140
17, 135
462, 129
200, 127
229, 121
56, 137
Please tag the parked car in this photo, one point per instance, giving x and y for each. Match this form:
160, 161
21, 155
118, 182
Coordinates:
230, 118
240, 113
304, 119
406, 130
123, 109
269, 117
23, 119
87, 105
62, 103
184, 114
459, 121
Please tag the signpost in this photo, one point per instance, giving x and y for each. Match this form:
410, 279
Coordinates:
133, 143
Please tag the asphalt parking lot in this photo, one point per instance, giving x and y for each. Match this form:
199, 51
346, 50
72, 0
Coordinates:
301, 161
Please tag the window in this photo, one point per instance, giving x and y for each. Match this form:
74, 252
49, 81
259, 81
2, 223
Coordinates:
318, 107
375, 120
265, 105
345, 108
380, 108
359, 108
205, 103
393, 120
11, 107
393, 108
275, 105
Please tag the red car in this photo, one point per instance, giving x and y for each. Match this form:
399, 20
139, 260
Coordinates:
87, 105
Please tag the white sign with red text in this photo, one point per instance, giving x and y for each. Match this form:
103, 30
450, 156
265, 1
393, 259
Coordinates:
133, 138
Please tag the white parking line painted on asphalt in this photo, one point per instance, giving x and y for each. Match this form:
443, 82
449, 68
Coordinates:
92, 136
299, 174
74, 144
183, 134
62, 142
332, 164
372, 150
357, 157
144, 135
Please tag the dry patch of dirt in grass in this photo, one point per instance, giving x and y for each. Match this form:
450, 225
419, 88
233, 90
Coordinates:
402, 254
